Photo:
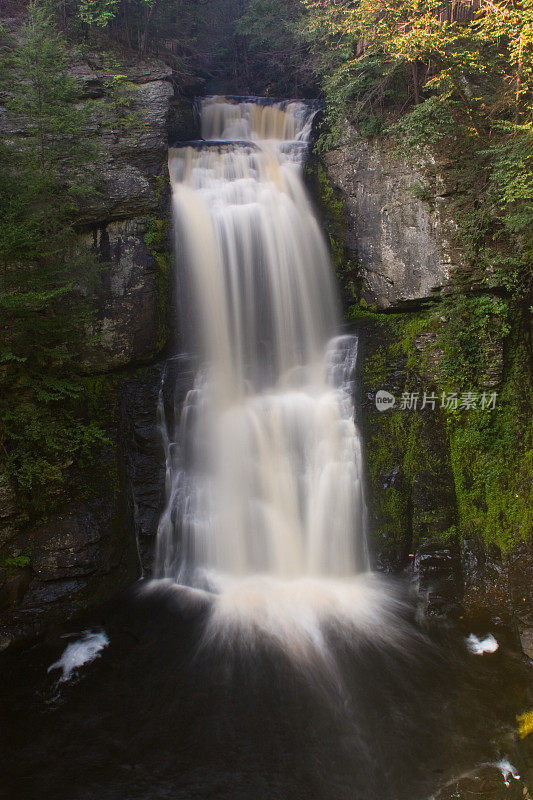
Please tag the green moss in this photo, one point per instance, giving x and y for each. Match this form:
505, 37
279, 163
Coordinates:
394, 520
492, 457
376, 369
491, 451
99, 463
12, 563
100, 391
364, 311
472, 327
410, 481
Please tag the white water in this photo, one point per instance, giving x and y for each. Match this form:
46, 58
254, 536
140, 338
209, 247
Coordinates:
481, 646
265, 500
80, 652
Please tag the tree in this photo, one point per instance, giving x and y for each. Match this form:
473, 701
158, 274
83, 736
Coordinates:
275, 58
42, 268
137, 23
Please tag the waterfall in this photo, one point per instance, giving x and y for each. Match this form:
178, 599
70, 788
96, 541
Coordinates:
265, 500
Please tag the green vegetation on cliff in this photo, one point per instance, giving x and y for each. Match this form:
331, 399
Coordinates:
138, 24
491, 451
52, 430
465, 344
45, 275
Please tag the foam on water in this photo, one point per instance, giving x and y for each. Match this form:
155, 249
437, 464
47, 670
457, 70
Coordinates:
78, 653
507, 770
480, 646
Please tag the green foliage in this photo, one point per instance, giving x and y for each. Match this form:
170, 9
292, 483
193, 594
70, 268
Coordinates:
376, 369
452, 87
44, 273
362, 311
491, 451
98, 12
117, 110
139, 24
473, 327
426, 124
371, 125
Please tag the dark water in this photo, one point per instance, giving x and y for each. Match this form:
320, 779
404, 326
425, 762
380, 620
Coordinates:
155, 718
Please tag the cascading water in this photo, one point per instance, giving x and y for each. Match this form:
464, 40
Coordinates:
186, 686
265, 500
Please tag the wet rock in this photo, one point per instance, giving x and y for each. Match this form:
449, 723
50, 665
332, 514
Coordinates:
486, 591
526, 640
13, 586
78, 558
437, 573
182, 123
142, 445
40, 595
88, 551
143, 459
498, 591
70, 546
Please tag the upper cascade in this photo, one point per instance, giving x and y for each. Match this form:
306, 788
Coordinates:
256, 119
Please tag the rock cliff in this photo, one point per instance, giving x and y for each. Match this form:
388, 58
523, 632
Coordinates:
89, 549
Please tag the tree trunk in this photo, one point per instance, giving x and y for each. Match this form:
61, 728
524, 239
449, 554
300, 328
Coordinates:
414, 70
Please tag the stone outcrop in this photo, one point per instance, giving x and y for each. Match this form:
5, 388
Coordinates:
402, 246
126, 328
130, 129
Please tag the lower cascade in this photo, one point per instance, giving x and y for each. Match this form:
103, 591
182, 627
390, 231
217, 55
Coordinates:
265, 497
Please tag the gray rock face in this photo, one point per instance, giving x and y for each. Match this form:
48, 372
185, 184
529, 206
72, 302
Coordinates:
132, 154
126, 328
403, 247
131, 132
